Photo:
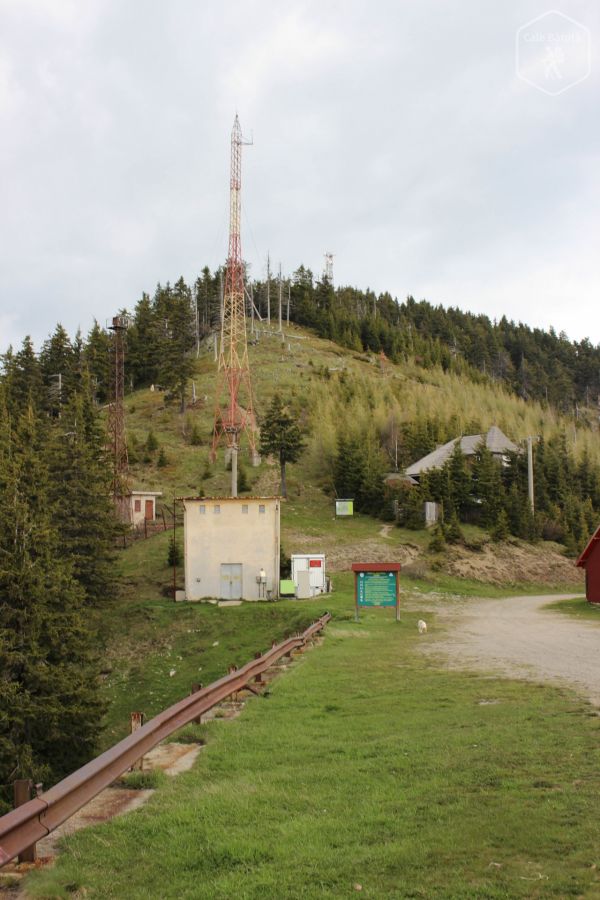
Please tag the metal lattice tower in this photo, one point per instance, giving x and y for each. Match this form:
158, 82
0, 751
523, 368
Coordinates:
328, 271
116, 419
234, 387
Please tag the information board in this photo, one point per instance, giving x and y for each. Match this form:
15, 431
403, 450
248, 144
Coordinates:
344, 507
376, 584
376, 589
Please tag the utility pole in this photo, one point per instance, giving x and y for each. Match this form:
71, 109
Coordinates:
269, 290
530, 473
288, 302
232, 419
116, 420
280, 303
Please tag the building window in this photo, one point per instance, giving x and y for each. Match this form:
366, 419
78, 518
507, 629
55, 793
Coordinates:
202, 509
261, 508
137, 505
245, 508
216, 509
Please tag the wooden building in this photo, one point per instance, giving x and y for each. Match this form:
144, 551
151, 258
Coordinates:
590, 561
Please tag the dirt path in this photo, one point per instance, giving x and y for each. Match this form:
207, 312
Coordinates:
518, 637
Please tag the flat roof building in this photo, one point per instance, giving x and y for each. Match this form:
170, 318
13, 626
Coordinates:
231, 547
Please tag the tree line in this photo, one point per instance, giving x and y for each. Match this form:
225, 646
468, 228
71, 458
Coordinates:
532, 363
56, 562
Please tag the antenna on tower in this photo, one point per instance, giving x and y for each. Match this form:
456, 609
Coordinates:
328, 270
232, 420
116, 419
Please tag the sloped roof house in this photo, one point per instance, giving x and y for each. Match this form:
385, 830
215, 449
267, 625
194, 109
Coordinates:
495, 440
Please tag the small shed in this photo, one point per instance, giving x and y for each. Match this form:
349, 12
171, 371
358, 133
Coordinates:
590, 561
308, 574
143, 506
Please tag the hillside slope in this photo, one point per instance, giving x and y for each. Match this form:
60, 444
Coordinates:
333, 390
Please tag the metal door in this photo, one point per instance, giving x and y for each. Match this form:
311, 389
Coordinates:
149, 511
231, 581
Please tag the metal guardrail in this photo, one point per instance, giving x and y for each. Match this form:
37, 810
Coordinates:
32, 821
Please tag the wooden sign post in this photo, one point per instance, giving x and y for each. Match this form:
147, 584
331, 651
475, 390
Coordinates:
376, 584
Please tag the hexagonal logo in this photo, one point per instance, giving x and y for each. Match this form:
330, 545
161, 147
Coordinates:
553, 52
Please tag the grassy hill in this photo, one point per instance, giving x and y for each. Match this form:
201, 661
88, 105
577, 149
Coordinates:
149, 635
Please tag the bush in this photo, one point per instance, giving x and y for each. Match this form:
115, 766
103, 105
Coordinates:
162, 460
174, 554
438, 539
195, 437
151, 442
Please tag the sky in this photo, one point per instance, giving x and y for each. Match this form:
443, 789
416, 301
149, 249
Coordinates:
429, 145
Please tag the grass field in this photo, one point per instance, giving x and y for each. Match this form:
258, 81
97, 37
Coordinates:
579, 608
368, 765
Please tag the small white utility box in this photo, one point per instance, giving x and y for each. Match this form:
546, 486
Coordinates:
308, 574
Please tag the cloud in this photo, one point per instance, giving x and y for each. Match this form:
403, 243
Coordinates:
396, 135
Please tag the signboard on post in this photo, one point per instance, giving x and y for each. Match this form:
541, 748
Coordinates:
344, 507
377, 584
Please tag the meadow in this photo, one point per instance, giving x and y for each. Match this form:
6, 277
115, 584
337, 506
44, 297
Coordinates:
368, 768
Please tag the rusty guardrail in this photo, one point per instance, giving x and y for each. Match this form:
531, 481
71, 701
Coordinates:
32, 821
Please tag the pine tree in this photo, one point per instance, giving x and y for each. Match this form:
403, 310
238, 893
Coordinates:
281, 437
46, 656
79, 491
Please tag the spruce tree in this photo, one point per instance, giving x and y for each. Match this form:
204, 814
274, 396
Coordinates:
281, 437
79, 491
47, 660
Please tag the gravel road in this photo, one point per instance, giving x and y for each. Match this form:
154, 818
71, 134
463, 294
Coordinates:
516, 636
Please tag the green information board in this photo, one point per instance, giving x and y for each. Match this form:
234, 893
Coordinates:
344, 507
376, 589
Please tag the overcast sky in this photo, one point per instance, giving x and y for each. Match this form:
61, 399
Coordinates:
395, 133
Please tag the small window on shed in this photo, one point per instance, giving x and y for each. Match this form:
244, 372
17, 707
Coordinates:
216, 509
202, 509
245, 508
137, 505
261, 508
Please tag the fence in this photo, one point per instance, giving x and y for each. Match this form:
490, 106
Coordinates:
36, 818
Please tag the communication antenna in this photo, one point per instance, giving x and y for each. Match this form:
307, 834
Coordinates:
328, 271
116, 420
234, 387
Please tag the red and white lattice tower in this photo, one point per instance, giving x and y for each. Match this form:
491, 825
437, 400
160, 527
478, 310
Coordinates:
116, 420
234, 408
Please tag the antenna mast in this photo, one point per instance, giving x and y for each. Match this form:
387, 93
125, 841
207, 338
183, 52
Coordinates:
116, 420
233, 376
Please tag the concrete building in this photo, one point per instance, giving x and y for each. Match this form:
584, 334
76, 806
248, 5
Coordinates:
143, 506
231, 547
590, 561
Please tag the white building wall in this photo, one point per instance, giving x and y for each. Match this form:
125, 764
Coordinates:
239, 533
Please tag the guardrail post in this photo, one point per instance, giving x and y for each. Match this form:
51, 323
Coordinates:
22, 794
258, 678
137, 720
197, 686
230, 671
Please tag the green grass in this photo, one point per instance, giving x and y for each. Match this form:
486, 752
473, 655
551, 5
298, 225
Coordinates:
578, 607
368, 764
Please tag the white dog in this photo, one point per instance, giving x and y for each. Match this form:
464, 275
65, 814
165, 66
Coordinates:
422, 626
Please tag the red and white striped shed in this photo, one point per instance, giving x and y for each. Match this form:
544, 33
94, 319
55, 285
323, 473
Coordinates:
590, 561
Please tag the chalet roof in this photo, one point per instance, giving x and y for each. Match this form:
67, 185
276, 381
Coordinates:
594, 540
495, 440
